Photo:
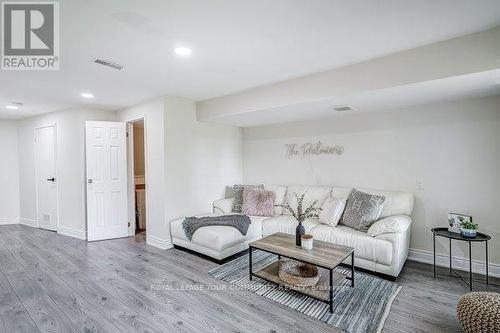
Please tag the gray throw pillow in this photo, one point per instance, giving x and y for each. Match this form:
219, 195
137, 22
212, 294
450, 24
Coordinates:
362, 210
238, 196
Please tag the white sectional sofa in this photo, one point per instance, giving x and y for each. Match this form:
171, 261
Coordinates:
383, 249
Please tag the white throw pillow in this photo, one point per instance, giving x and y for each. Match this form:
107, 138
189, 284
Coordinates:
332, 210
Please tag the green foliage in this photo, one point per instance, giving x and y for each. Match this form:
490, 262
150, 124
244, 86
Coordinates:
302, 214
468, 224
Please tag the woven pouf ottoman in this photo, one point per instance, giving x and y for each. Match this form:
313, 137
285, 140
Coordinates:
479, 312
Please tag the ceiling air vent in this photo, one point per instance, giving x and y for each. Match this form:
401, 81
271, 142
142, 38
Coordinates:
108, 63
342, 108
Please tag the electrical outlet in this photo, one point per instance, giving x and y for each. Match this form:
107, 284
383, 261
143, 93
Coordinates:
420, 185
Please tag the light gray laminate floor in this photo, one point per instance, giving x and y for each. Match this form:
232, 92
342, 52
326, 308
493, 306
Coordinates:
53, 283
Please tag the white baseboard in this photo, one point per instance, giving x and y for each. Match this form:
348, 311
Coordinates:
9, 220
158, 242
458, 263
28, 222
75, 233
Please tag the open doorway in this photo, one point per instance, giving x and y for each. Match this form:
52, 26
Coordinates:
137, 177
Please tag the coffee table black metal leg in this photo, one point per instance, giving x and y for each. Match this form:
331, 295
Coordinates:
434, 253
331, 290
451, 272
352, 269
470, 265
487, 278
250, 262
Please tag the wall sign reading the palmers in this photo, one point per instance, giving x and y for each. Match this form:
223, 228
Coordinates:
312, 149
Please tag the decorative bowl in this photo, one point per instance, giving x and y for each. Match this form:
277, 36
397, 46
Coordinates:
297, 273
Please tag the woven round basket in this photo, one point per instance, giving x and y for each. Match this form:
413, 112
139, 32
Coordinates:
479, 312
298, 273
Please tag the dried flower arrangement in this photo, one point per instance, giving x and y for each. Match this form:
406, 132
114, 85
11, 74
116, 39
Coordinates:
301, 214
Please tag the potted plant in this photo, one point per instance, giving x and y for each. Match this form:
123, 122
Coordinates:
468, 228
301, 215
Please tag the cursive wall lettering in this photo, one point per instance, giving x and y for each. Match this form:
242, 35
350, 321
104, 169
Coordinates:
312, 149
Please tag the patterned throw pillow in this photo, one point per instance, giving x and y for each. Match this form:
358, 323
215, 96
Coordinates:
362, 210
238, 196
258, 202
331, 211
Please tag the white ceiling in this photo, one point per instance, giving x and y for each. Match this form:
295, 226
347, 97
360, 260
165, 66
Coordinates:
236, 45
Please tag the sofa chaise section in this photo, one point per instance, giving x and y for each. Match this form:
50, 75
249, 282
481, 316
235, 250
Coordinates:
217, 242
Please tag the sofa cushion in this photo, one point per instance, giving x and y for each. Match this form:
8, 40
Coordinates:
331, 211
280, 197
258, 202
285, 224
396, 202
238, 196
219, 238
319, 193
366, 247
362, 210
391, 224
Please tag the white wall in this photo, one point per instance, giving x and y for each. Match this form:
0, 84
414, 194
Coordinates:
9, 173
188, 163
70, 174
153, 113
201, 160
453, 148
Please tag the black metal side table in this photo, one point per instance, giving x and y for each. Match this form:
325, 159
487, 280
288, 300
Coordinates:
443, 232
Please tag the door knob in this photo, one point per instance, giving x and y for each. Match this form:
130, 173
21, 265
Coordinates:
90, 181
51, 179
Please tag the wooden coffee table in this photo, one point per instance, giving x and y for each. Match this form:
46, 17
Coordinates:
324, 255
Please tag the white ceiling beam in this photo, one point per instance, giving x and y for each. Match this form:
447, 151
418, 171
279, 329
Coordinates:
474, 53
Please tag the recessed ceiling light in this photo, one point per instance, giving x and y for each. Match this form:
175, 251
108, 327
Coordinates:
12, 107
182, 51
87, 95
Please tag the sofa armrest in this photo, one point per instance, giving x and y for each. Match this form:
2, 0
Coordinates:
390, 224
224, 206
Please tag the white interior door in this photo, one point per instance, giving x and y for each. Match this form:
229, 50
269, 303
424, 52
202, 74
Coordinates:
106, 150
45, 171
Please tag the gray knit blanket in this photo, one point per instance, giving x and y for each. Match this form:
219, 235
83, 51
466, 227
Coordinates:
191, 224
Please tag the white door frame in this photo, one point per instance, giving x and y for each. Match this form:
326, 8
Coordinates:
131, 179
130, 171
37, 221
104, 183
